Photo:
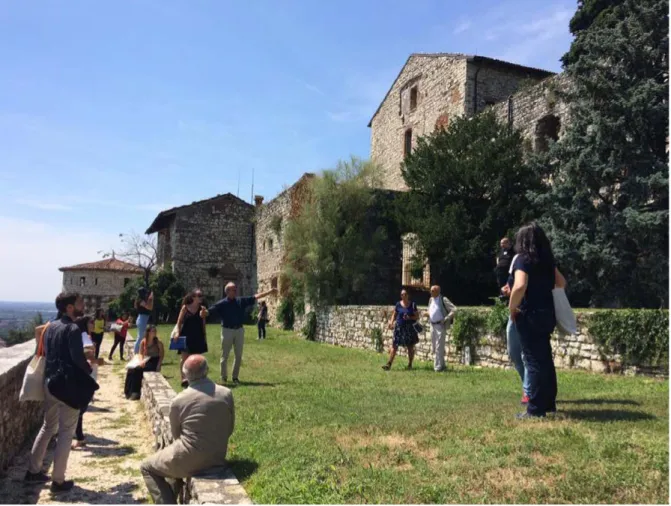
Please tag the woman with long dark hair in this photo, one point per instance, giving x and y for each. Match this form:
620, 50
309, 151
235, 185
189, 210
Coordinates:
191, 324
403, 321
532, 312
150, 358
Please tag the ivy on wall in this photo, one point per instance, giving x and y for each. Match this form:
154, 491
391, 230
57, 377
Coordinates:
639, 336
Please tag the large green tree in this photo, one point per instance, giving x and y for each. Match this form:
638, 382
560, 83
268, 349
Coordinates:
606, 209
468, 186
338, 244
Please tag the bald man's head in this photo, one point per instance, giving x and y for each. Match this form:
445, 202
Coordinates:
195, 368
435, 291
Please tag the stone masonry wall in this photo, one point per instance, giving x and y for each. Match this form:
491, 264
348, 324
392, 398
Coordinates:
18, 420
213, 486
213, 243
534, 103
100, 287
270, 244
351, 326
441, 85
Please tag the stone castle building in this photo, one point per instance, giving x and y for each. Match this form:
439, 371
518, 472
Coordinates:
208, 244
99, 282
214, 241
433, 89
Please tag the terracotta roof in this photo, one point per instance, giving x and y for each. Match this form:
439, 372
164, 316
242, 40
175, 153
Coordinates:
108, 264
160, 220
539, 72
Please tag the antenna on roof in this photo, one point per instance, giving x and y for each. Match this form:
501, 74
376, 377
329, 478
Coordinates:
252, 196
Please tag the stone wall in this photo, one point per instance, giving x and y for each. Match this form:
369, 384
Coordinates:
213, 486
528, 107
18, 420
212, 243
441, 88
270, 243
352, 326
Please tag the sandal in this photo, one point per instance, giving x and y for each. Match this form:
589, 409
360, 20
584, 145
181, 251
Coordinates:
386, 367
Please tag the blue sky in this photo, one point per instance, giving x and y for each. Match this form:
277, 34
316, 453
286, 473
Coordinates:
111, 111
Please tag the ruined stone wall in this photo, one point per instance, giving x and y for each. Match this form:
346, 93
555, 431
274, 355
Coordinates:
213, 245
100, 288
533, 103
441, 87
352, 326
18, 420
165, 245
217, 485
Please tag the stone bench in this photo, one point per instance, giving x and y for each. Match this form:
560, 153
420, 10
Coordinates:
217, 485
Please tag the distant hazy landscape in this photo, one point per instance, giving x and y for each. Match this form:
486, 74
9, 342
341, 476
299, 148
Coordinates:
14, 315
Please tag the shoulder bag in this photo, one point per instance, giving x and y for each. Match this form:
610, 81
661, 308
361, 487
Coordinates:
32, 388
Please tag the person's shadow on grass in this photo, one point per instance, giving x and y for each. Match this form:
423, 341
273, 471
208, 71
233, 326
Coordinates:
608, 415
625, 402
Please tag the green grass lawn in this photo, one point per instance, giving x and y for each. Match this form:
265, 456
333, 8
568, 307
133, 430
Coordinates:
320, 424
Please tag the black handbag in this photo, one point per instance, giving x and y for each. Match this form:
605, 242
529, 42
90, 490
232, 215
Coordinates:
72, 386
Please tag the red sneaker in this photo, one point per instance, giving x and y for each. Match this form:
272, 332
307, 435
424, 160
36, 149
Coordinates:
525, 399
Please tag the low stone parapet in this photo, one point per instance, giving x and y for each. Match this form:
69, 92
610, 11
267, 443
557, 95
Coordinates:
18, 420
217, 485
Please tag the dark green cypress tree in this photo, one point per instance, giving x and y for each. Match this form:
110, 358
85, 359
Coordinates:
607, 207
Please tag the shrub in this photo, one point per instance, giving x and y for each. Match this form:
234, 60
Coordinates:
497, 319
285, 313
377, 339
310, 329
467, 329
639, 336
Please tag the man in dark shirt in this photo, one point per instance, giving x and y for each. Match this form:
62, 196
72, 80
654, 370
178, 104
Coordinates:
503, 262
62, 345
231, 311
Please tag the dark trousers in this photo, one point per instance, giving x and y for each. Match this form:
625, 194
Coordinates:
133, 384
97, 340
534, 331
502, 276
262, 329
118, 341
79, 432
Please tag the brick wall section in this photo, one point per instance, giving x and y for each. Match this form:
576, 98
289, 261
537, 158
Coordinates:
441, 84
18, 420
351, 326
213, 486
533, 103
216, 234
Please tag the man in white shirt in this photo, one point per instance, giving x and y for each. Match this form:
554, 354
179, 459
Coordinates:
441, 312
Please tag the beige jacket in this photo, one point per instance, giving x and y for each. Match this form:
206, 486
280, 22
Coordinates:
202, 418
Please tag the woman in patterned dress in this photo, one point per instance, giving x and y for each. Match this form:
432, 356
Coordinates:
402, 322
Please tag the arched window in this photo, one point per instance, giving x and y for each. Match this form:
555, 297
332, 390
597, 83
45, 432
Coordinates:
546, 128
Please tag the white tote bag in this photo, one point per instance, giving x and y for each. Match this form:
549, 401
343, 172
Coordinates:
566, 322
32, 388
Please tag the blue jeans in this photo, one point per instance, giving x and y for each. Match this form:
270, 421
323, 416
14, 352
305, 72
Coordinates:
516, 355
142, 321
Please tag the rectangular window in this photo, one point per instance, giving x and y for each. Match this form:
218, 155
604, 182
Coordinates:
407, 142
96, 282
413, 98
82, 281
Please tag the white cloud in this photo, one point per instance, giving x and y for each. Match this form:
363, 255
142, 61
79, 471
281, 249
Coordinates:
462, 27
32, 252
45, 206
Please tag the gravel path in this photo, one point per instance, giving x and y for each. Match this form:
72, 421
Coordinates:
106, 471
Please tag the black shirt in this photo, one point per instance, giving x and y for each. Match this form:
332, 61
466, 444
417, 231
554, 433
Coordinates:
63, 345
540, 282
505, 259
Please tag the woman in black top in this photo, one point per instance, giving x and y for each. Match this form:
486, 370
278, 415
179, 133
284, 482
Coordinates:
532, 311
191, 324
263, 319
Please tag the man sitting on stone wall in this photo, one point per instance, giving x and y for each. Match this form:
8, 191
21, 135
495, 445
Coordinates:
202, 418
